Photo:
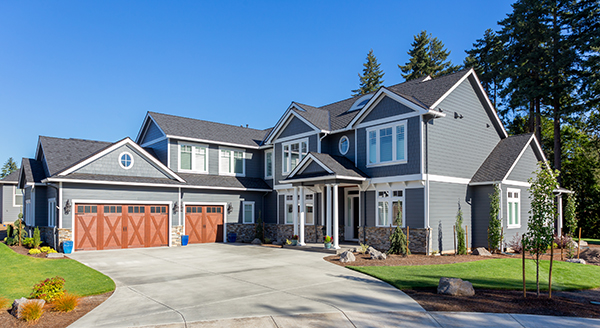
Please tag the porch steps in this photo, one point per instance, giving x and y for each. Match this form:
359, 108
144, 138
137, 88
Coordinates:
318, 247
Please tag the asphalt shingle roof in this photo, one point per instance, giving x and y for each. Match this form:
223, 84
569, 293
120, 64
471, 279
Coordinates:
500, 160
33, 170
223, 181
63, 153
199, 129
341, 166
11, 178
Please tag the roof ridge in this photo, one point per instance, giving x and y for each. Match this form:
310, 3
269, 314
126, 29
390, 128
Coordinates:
213, 122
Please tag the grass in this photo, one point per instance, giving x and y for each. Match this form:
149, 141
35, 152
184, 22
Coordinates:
490, 274
20, 273
590, 241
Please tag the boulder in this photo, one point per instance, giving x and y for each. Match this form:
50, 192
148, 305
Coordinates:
584, 243
376, 255
55, 255
347, 256
481, 251
257, 241
18, 305
277, 242
582, 261
455, 287
575, 245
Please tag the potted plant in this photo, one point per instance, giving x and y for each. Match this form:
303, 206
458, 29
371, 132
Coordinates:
328, 241
295, 240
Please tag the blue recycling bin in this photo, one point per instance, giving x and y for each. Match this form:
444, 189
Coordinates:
184, 240
68, 246
232, 237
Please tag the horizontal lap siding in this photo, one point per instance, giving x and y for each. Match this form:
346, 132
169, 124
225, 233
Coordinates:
313, 167
281, 209
415, 207
458, 147
270, 208
385, 108
369, 207
443, 207
109, 165
174, 157
41, 206
525, 207
481, 214
295, 127
277, 174
525, 167
8, 212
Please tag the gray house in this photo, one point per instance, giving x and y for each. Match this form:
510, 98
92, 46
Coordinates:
410, 154
11, 198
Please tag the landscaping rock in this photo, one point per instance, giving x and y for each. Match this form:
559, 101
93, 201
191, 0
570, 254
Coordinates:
277, 242
347, 256
455, 287
55, 255
376, 255
18, 305
575, 245
582, 261
584, 243
481, 251
257, 241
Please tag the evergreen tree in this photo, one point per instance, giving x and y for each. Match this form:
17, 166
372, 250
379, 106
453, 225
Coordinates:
427, 57
9, 167
398, 240
486, 59
371, 79
461, 246
495, 225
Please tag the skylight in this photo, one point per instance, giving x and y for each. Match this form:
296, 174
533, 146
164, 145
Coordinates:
361, 102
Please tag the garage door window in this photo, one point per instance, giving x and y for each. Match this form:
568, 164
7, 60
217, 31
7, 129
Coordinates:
136, 209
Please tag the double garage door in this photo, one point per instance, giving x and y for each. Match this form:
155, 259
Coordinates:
204, 223
111, 226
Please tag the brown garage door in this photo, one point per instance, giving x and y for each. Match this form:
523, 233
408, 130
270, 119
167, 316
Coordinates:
110, 226
204, 224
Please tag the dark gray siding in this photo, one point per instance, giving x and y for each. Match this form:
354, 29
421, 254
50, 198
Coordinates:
313, 167
458, 147
234, 197
254, 160
41, 206
385, 108
369, 206
480, 214
2, 205
415, 207
413, 165
525, 167
525, 207
295, 126
109, 165
277, 174
444, 199
270, 208
8, 212
330, 144
152, 133
161, 150
173, 157
281, 210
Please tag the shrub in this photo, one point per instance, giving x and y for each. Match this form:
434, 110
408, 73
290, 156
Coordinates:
288, 242
363, 248
31, 311
4, 303
37, 241
516, 243
460, 233
495, 225
10, 241
34, 251
268, 240
47, 249
295, 237
66, 303
328, 239
49, 289
258, 230
28, 242
398, 242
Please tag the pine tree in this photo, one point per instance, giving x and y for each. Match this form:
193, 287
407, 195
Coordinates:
461, 247
486, 58
398, 240
427, 57
9, 167
371, 79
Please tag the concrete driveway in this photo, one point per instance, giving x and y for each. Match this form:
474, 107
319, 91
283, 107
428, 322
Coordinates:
219, 281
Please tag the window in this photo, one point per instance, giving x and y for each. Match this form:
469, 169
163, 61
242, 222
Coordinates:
390, 210
248, 216
309, 218
126, 160
18, 197
231, 162
293, 153
269, 164
28, 213
52, 212
387, 144
344, 145
514, 202
193, 158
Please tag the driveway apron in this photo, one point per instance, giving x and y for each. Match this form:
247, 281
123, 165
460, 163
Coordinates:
201, 282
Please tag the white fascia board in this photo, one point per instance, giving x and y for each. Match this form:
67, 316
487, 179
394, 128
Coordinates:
516, 183
284, 186
489, 103
383, 92
326, 177
484, 183
442, 178
398, 178
283, 122
435, 104
140, 135
152, 142
123, 142
9, 182
158, 185
170, 136
305, 161
514, 164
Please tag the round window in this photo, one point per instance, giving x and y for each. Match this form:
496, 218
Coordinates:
126, 160
344, 145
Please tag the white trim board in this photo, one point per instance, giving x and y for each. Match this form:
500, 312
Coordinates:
285, 120
214, 142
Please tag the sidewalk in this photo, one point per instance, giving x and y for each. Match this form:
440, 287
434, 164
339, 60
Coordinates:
396, 319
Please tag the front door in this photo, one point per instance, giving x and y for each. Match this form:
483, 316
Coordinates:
352, 215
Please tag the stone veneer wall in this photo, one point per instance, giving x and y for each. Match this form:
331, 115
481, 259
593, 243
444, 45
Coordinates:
47, 236
176, 233
312, 233
245, 232
379, 238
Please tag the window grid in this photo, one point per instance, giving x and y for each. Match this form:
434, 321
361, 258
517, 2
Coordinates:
193, 158
387, 144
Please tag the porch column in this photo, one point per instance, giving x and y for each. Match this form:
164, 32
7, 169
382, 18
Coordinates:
560, 215
336, 226
302, 217
295, 210
323, 206
328, 223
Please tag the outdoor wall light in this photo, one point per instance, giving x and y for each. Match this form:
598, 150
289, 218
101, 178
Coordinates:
175, 208
68, 207
229, 208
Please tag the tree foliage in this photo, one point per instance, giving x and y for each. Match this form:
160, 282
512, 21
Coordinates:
570, 214
9, 167
371, 78
461, 246
540, 227
398, 240
495, 225
427, 57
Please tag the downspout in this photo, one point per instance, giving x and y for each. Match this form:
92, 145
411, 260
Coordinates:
325, 134
501, 217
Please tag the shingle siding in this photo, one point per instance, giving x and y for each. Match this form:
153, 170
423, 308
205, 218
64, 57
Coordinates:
8, 212
387, 107
444, 199
330, 144
313, 167
525, 207
525, 167
152, 133
278, 175
458, 147
296, 126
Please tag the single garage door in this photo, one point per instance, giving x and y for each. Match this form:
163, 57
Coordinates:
110, 226
204, 224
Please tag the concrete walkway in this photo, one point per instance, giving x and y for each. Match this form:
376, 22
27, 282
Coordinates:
179, 285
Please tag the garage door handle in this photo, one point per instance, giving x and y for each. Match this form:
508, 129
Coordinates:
124, 228
204, 226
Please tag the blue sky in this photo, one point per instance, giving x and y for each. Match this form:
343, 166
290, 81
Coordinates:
92, 69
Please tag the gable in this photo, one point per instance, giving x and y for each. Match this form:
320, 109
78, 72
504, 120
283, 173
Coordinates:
525, 166
387, 107
152, 132
108, 164
313, 168
295, 127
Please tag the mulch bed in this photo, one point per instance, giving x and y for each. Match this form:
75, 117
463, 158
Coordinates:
55, 319
25, 251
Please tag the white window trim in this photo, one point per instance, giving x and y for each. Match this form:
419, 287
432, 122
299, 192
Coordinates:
270, 151
244, 203
130, 156
231, 157
15, 196
394, 146
307, 202
340, 145
206, 148
28, 212
284, 169
518, 202
390, 200
52, 210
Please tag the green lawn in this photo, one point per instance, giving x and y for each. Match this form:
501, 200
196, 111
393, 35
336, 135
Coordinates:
19, 274
492, 274
591, 241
